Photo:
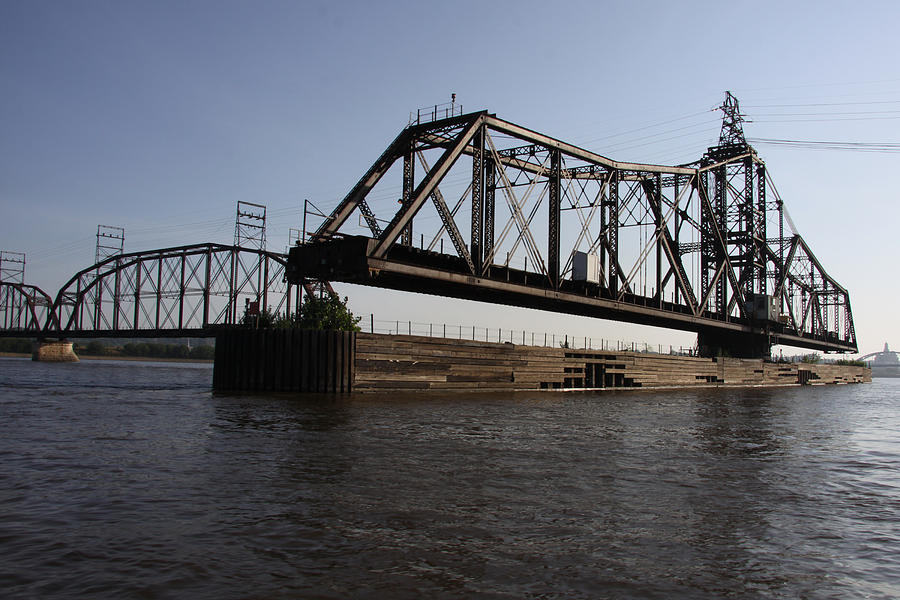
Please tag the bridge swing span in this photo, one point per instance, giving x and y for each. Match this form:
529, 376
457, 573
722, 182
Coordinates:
533, 221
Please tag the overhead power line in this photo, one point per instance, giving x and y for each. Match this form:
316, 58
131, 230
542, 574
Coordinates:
888, 147
809, 104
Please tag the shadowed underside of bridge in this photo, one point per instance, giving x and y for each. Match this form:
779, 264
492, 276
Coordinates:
531, 221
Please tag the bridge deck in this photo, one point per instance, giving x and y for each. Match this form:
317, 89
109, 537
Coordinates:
348, 260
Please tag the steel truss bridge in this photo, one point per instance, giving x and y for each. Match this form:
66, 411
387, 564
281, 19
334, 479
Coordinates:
527, 220
187, 291
536, 222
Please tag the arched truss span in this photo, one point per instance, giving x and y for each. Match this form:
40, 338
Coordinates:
185, 290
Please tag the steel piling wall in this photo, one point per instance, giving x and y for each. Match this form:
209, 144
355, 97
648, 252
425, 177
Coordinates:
284, 360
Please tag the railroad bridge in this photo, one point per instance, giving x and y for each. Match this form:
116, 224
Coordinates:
473, 206
536, 222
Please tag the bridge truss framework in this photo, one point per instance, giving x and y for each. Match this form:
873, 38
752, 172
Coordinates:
172, 292
699, 247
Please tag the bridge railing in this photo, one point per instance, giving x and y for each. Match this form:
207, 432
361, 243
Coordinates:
524, 337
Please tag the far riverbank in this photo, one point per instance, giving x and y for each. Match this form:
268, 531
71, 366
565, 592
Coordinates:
118, 358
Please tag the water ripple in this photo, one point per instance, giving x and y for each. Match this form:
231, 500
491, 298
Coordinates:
134, 481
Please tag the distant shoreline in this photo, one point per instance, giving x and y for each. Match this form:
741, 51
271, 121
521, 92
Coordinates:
125, 358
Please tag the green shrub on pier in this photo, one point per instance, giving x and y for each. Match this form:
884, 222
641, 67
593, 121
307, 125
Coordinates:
328, 312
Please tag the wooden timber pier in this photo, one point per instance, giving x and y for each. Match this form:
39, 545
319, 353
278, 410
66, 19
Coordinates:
343, 362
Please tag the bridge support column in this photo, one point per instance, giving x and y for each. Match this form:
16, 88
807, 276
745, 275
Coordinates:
53, 351
733, 344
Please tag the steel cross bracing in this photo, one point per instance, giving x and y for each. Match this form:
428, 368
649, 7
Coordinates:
687, 247
186, 290
24, 308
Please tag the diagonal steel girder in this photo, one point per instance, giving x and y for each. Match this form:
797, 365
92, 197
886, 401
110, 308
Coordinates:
812, 312
369, 216
370, 179
719, 240
356, 195
669, 246
447, 219
517, 217
425, 188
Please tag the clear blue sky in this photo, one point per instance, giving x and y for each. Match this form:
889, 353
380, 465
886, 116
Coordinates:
160, 116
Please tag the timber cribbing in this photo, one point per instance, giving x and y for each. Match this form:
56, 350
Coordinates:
395, 362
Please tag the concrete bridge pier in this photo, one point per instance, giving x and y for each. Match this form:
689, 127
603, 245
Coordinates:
53, 351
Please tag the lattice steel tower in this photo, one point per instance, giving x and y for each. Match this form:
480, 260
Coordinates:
250, 226
12, 267
110, 242
734, 182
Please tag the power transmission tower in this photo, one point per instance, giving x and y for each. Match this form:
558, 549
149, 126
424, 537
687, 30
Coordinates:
732, 132
250, 226
110, 242
250, 234
12, 267
12, 270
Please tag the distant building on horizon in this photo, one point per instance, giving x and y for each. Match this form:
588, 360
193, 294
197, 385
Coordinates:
883, 364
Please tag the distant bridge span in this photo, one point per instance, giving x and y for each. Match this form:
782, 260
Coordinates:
172, 292
544, 224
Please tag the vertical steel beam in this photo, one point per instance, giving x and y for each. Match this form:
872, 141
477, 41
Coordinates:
476, 241
554, 206
719, 201
613, 236
748, 230
707, 246
604, 203
763, 284
265, 278
660, 224
408, 185
206, 284
116, 292
231, 313
181, 292
137, 292
490, 193
98, 299
677, 224
159, 264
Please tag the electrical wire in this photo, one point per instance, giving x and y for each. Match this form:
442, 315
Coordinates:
826, 114
645, 127
821, 104
888, 147
701, 127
